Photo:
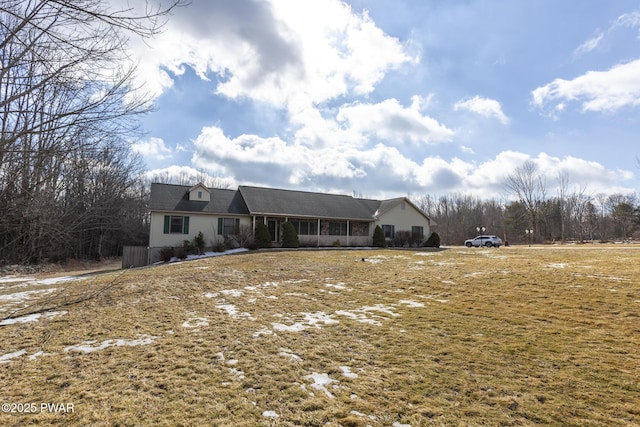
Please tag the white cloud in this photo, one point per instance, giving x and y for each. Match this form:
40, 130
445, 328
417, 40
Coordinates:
152, 148
485, 107
598, 91
590, 44
421, 103
283, 52
627, 20
467, 150
256, 159
631, 19
390, 121
380, 170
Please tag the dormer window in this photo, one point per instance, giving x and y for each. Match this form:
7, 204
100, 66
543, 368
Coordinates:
200, 193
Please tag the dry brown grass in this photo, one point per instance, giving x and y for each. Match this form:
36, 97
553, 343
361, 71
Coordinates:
512, 337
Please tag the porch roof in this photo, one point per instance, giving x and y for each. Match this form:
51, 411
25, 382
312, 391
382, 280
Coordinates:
303, 204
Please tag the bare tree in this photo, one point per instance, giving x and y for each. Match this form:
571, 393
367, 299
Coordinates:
563, 184
580, 208
67, 104
529, 187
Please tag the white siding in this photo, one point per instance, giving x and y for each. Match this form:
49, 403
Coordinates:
404, 219
205, 223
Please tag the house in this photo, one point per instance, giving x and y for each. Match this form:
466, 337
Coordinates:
180, 212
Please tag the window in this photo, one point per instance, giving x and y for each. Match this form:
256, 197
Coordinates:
228, 226
200, 195
389, 231
337, 228
305, 228
417, 232
174, 224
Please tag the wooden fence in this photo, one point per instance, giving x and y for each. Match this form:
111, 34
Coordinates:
135, 256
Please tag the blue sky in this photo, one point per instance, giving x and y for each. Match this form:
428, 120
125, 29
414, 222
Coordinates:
394, 98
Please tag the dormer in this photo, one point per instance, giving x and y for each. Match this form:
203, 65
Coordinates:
199, 193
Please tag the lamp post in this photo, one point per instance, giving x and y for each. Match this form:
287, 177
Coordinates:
529, 232
480, 229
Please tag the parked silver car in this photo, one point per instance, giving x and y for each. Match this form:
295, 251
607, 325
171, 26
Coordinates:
484, 240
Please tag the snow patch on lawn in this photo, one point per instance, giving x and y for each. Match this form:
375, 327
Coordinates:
55, 280
263, 331
37, 354
32, 317
232, 292
296, 327
443, 263
6, 358
310, 319
558, 265
89, 347
433, 297
18, 297
237, 373
603, 277
233, 311
286, 352
195, 322
21, 282
16, 279
411, 303
270, 414
320, 317
320, 383
346, 371
365, 314
213, 254
381, 308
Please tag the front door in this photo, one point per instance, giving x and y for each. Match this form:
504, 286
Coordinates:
274, 228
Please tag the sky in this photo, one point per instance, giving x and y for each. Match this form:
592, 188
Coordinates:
393, 98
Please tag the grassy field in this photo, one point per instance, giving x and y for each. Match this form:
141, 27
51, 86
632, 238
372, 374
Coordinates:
513, 336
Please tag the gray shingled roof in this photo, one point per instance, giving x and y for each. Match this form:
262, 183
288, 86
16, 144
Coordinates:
169, 197
271, 201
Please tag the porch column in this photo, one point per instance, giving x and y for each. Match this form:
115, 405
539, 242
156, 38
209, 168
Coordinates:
347, 232
318, 244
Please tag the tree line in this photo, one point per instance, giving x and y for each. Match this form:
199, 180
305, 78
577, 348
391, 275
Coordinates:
568, 215
70, 185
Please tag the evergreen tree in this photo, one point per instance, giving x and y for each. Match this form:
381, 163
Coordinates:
378, 238
433, 241
289, 236
263, 237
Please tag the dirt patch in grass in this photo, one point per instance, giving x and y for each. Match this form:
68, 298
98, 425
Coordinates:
514, 336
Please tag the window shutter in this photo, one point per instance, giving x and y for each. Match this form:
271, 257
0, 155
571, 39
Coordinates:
237, 226
186, 225
220, 226
167, 220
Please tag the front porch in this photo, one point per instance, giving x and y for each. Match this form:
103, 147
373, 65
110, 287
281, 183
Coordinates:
318, 231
